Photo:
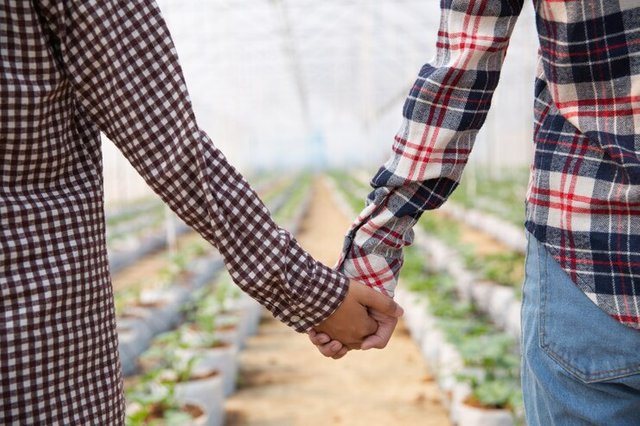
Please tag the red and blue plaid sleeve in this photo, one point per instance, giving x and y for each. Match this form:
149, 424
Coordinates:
445, 108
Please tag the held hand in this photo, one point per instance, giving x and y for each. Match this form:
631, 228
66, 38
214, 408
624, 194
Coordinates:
366, 319
336, 350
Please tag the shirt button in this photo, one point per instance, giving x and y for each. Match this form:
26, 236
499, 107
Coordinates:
295, 318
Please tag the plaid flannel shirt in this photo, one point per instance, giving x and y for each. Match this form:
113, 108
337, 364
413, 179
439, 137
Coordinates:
583, 200
70, 69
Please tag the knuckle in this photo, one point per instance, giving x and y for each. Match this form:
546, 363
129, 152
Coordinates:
391, 305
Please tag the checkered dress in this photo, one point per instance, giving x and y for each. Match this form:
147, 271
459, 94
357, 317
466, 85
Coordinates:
69, 70
583, 201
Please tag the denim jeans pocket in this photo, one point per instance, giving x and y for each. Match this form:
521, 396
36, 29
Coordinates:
577, 334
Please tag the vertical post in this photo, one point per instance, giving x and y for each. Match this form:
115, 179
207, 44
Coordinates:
170, 227
366, 78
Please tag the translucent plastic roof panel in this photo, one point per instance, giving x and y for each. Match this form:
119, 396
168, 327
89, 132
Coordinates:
273, 79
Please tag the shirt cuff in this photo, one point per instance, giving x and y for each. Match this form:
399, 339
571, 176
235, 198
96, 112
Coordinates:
374, 270
315, 290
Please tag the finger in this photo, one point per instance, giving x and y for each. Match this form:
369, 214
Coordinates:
378, 301
341, 353
380, 339
331, 349
318, 338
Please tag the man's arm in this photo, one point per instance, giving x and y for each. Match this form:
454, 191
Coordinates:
445, 108
124, 73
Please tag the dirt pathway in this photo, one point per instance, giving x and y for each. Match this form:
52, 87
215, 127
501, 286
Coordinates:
284, 381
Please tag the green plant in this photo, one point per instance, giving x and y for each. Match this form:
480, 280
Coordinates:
165, 355
489, 357
501, 196
127, 296
504, 268
175, 265
153, 402
459, 329
197, 248
291, 206
185, 337
225, 291
494, 365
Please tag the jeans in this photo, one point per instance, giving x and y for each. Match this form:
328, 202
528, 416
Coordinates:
579, 366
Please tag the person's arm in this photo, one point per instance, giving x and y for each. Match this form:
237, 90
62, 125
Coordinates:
123, 70
445, 108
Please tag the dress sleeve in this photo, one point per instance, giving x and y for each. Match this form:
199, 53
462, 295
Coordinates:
123, 69
444, 110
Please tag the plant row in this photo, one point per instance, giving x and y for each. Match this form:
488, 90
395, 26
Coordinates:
148, 308
475, 360
501, 196
476, 364
187, 372
138, 231
193, 330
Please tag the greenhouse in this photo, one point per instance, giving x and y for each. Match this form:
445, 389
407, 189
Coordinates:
390, 212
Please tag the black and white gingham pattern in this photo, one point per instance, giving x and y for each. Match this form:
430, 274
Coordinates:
70, 69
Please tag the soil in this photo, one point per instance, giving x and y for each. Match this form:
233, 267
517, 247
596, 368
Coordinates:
284, 381
157, 413
471, 401
193, 410
203, 376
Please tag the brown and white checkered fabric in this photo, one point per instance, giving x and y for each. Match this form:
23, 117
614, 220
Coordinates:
69, 70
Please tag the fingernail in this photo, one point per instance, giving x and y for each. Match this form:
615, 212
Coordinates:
336, 346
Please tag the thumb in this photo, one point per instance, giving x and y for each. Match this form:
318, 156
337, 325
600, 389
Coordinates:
372, 299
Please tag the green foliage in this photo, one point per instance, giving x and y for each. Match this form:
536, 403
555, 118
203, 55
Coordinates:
165, 357
184, 337
490, 351
461, 329
502, 196
505, 268
176, 264
129, 212
445, 229
499, 393
153, 218
489, 356
494, 370
413, 265
352, 191
207, 305
275, 189
153, 402
292, 205
126, 297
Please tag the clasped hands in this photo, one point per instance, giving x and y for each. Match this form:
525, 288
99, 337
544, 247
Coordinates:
365, 320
